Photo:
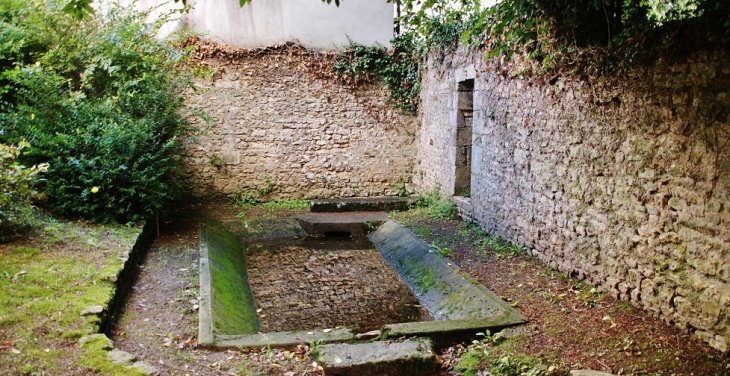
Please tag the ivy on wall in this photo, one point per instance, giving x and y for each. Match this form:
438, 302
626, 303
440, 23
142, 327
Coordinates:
396, 68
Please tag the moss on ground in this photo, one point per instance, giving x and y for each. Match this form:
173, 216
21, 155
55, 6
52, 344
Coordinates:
46, 281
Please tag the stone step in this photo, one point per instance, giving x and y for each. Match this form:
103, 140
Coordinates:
382, 358
354, 223
385, 204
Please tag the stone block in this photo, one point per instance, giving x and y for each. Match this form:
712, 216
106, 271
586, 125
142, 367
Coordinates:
409, 357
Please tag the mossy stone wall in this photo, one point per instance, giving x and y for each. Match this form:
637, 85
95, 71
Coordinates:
625, 182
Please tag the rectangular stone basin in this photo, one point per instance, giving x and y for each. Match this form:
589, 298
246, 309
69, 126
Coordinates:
267, 282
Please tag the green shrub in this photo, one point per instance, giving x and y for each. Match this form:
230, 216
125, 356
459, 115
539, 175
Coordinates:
16, 188
244, 198
100, 100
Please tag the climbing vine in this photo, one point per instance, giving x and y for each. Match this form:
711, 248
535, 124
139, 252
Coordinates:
396, 68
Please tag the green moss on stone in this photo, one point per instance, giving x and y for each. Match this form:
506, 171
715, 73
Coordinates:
232, 302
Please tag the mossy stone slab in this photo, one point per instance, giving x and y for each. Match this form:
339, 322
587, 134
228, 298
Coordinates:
444, 290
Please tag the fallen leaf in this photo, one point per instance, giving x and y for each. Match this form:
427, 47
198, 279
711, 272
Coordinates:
191, 342
6, 345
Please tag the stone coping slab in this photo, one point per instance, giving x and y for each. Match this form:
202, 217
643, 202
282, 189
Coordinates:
429, 328
285, 339
355, 223
409, 357
227, 305
444, 290
266, 228
385, 204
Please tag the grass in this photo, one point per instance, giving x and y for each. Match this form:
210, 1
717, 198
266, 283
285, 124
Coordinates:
502, 358
45, 282
288, 204
433, 208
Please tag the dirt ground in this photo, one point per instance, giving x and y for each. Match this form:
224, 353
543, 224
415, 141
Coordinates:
571, 324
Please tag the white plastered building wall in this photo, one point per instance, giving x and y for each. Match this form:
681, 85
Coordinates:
312, 23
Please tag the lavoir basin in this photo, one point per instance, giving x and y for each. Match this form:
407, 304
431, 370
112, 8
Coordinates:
333, 277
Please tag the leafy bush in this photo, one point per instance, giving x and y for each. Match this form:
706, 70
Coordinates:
100, 100
16, 188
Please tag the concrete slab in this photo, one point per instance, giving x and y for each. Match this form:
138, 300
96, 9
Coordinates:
385, 204
445, 291
285, 339
409, 357
355, 223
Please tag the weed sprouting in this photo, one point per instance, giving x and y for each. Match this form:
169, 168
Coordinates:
441, 250
244, 198
314, 348
266, 188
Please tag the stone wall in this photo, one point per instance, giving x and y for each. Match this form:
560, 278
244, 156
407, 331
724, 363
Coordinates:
271, 127
625, 183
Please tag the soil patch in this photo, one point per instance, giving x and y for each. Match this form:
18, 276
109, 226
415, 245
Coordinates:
572, 325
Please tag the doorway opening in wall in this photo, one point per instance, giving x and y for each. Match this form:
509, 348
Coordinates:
464, 116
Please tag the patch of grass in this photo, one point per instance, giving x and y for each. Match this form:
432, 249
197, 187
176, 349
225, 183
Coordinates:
44, 286
434, 206
443, 209
287, 204
422, 231
502, 359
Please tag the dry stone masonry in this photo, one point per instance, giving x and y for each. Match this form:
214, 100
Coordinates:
270, 128
625, 182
